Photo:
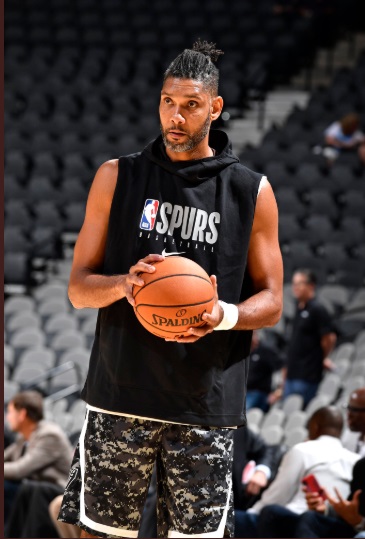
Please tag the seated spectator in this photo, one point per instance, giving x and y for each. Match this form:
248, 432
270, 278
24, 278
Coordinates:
323, 455
41, 451
345, 135
29, 516
354, 436
254, 465
335, 518
264, 361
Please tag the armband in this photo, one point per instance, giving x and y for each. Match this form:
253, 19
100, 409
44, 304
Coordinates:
230, 316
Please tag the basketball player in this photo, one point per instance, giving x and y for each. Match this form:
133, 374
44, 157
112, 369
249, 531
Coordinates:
151, 401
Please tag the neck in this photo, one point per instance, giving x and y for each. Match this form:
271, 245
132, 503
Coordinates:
303, 301
27, 429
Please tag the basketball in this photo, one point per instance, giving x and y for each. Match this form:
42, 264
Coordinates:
174, 297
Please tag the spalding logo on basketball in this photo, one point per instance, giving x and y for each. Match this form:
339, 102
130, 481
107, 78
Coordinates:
174, 297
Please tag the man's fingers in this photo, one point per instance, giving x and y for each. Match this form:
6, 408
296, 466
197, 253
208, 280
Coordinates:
153, 258
355, 497
134, 280
339, 495
145, 265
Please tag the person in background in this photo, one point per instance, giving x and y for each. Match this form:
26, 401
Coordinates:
345, 135
264, 361
354, 435
312, 339
254, 466
41, 451
322, 455
337, 517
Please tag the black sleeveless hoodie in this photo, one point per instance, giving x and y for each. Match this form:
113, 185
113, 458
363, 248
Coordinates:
203, 209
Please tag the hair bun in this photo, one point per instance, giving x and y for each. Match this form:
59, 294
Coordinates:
208, 49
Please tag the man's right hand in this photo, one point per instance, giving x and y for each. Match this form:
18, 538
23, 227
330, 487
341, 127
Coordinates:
145, 265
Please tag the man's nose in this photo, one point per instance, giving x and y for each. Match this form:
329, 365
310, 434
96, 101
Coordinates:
177, 117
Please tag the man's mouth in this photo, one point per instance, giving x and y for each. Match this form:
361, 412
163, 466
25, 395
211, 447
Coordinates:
176, 133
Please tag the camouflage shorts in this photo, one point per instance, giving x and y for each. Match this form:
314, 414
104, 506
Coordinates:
111, 472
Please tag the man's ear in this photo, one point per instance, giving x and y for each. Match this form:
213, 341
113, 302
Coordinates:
23, 414
216, 107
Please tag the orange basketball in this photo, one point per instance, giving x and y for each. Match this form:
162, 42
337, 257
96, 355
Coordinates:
174, 297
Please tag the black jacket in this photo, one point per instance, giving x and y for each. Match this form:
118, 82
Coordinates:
249, 446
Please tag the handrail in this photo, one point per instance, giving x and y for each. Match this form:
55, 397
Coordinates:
52, 373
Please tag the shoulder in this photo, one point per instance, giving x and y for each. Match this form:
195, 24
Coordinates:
246, 172
49, 428
333, 129
104, 184
107, 173
266, 213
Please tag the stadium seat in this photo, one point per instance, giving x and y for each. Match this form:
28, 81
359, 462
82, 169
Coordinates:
273, 434
295, 436
254, 416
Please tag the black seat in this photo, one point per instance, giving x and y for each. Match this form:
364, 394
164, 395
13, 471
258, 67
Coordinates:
74, 217
289, 228
307, 177
44, 242
322, 203
17, 213
353, 204
16, 268
318, 229
15, 240
289, 202
351, 231
277, 174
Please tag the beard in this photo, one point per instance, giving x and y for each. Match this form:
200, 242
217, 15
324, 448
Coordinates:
192, 139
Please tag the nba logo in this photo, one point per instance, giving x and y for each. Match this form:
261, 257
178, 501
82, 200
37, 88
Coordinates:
149, 214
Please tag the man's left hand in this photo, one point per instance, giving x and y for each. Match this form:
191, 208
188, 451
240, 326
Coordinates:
257, 482
348, 510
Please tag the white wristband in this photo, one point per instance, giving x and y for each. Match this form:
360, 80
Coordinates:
230, 316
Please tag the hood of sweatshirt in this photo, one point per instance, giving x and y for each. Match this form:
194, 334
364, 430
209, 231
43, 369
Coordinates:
196, 170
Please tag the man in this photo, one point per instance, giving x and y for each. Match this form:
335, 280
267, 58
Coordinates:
344, 136
354, 437
254, 465
323, 456
173, 402
41, 452
264, 361
312, 340
339, 517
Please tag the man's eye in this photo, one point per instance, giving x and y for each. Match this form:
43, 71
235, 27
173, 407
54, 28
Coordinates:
192, 104
167, 100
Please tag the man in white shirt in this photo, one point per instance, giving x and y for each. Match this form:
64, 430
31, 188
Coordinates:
323, 456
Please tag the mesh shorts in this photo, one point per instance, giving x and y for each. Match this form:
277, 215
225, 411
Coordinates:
111, 472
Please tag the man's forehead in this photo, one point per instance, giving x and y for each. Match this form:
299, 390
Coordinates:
183, 87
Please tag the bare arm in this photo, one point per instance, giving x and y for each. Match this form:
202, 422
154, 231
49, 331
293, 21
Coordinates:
328, 342
87, 286
266, 269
